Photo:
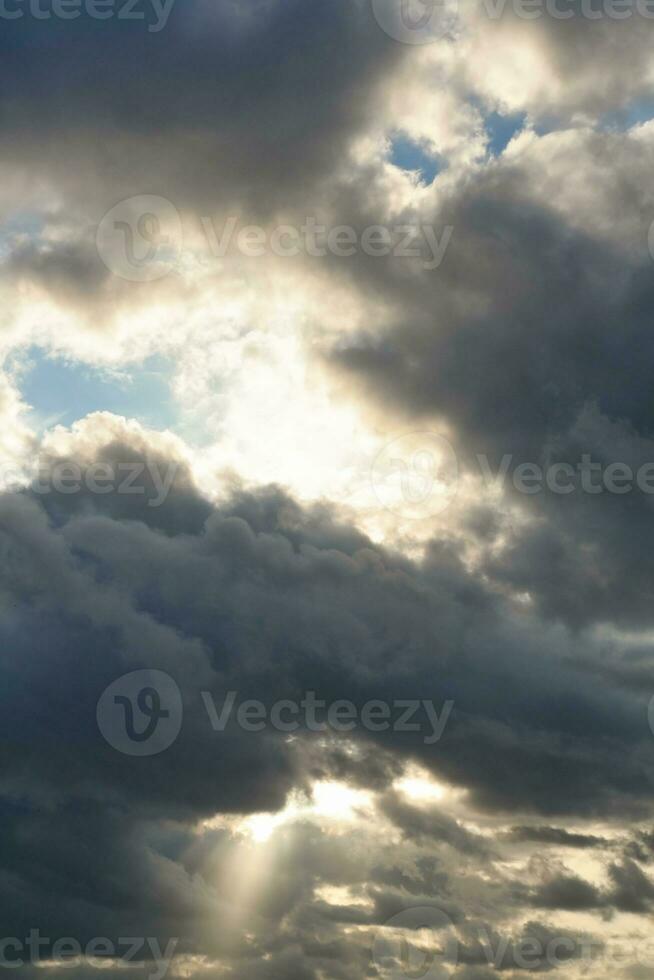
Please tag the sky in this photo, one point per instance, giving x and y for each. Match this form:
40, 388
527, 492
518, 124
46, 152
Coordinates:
326, 489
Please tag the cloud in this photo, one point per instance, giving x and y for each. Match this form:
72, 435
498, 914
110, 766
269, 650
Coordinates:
257, 595
245, 550
556, 835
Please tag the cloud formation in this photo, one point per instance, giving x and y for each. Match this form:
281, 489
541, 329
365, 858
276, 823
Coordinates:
468, 682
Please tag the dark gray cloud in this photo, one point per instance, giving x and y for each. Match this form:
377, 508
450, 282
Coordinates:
642, 848
260, 596
521, 343
206, 112
632, 890
567, 892
558, 836
532, 338
423, 823
536, 948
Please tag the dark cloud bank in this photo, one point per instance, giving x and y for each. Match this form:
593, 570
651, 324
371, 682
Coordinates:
260, 596
533, 339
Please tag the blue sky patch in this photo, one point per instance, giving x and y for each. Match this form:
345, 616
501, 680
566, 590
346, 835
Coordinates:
632, 115
411, 156
22, 223
501, 129
61, 391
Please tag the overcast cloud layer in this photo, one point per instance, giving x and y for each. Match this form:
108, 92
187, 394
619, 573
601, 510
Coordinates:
326, 490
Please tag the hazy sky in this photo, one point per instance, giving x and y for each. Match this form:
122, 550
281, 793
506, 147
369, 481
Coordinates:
326, 489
